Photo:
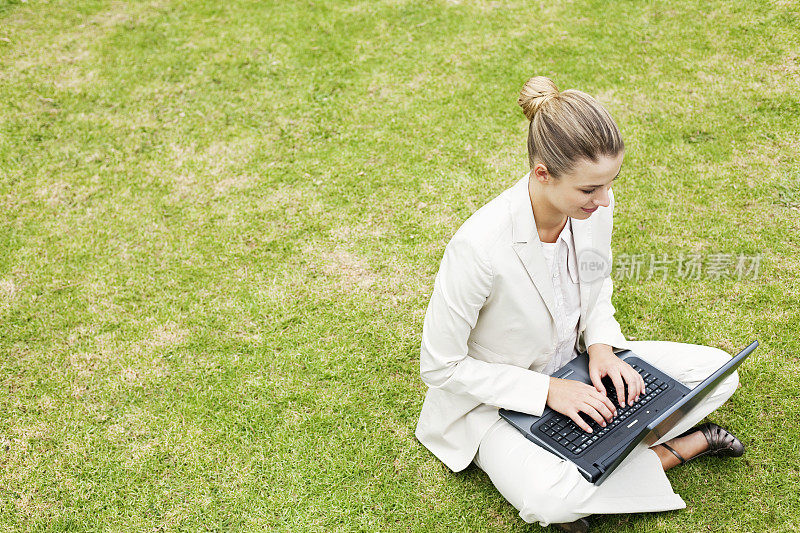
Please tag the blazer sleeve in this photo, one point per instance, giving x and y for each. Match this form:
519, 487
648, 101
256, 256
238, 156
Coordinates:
601, 326
461, 288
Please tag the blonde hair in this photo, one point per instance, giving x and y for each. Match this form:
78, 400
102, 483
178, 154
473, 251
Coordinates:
566, 126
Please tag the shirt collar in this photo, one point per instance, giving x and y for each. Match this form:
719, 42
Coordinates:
572, 262
566, 234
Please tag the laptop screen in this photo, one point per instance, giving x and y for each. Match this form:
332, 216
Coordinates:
671, 416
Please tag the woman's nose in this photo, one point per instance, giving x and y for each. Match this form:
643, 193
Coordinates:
603, 200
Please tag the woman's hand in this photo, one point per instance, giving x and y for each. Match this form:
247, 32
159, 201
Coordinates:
570, 397
603, 362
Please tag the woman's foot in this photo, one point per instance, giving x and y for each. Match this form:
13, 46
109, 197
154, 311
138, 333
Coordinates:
708, 439
581, 525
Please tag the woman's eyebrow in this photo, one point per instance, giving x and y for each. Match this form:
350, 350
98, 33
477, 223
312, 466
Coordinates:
612, 179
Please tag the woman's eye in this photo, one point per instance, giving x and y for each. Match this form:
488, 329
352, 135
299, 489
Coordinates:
587, 192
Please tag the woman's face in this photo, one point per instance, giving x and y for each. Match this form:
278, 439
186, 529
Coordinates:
581, 191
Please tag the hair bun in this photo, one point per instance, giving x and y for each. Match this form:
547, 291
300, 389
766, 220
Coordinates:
535, 93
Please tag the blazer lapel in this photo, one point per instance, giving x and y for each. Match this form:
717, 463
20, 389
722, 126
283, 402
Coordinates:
527, 245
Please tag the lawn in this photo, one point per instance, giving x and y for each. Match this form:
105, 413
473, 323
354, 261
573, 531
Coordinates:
220, 223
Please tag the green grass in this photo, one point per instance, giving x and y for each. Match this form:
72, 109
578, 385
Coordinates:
220, 224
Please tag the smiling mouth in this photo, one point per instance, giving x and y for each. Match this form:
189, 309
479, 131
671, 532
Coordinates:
589, 210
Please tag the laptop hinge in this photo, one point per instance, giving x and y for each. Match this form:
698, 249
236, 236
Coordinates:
606, 462
600, 467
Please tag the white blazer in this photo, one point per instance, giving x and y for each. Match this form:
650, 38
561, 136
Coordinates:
489, 327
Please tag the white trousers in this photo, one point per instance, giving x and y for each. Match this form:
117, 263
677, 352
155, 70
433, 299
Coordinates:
547, 489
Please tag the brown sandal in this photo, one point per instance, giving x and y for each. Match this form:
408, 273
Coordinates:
581, 525
721, 442
676, 454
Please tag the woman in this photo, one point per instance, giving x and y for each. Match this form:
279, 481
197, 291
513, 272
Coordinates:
511, 305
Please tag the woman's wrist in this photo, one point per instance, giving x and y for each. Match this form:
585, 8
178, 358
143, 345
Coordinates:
600, 350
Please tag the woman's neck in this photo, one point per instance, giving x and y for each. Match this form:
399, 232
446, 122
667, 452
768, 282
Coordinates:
549, 220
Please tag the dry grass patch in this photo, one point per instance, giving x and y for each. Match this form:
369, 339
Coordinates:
351, 272
61, 193
165, 335
283, 209
9, 293
85, 364
789, 66
508, 160
625, 106
71, 47
734, 75
76, 77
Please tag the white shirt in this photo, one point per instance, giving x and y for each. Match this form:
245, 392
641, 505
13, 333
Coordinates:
563, 263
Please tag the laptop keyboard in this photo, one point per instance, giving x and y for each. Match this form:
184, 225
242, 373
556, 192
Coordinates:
562, 430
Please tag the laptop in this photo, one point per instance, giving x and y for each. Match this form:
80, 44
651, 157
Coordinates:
597, 454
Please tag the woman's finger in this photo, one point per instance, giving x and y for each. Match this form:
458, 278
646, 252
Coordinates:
576, 417
597, 380
628, 379
602, 408
640, 381
632, 379
590, 410
619, 385
605, 400
635, 383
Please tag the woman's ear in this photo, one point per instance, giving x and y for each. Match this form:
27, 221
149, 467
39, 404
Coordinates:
540, 172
